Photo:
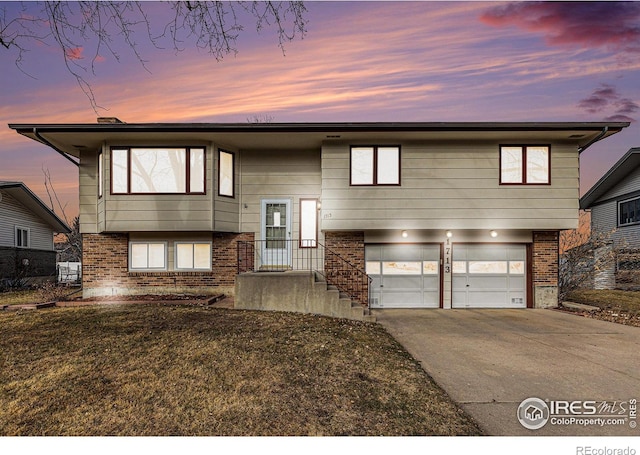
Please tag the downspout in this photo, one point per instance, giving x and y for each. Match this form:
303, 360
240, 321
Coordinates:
46, 142
594, 140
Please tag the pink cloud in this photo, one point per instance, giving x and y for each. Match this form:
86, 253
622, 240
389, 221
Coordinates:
607, 96
74, 53
612, 25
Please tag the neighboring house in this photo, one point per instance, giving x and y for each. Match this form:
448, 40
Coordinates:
614, 202
27, 229
439, 215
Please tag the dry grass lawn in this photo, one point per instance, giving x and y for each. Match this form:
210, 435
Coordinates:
149, 369
615, 306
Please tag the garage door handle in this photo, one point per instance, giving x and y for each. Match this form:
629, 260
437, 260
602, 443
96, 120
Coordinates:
467, 285
382, 285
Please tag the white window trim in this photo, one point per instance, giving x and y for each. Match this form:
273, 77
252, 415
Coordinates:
154, 269
195, 242
620, 211
28, 231
375, 172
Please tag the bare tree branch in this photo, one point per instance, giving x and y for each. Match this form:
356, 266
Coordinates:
87, 31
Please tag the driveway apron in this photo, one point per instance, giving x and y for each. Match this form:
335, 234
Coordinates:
490, 361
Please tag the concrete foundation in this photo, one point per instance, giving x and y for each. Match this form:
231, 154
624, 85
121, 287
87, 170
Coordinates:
293, 291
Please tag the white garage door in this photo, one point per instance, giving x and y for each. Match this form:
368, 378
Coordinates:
489, 276
404, 276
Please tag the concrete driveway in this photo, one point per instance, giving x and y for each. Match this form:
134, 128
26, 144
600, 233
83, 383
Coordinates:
490, 361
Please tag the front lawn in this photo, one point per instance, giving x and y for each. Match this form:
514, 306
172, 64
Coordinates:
615, 305
150, 369
23, 297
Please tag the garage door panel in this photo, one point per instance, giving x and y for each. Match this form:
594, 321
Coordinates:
489, 276
488, 282
404, 276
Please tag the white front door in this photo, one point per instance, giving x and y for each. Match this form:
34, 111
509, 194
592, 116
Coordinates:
489, 276
276, 233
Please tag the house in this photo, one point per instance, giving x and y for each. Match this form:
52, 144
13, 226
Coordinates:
27, 229
429, 215
614, 203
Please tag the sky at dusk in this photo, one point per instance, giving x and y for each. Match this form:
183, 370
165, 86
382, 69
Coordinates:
359, 61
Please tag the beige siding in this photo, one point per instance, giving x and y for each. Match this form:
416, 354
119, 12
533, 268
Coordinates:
449, 187
278, 175
12, 214
88, 188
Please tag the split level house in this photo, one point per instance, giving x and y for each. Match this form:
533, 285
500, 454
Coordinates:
396, 215
614, 203
27, 230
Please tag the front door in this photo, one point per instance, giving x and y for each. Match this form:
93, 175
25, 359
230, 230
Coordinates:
276, 234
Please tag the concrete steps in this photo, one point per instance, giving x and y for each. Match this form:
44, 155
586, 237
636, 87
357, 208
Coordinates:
296, 291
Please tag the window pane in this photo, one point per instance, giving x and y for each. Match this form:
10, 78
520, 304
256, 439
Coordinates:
537, 165
196, 170
100, 175
362, 166
158, 170
459, 267
511, 165
201, 256
430, 267
308, 223
372, 267
156, 256
516, 267
226, 174
139, 256
184, 255
388, 165
402, 268
488, 267
119, 171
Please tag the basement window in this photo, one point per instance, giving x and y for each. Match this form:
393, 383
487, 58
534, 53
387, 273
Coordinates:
147, 256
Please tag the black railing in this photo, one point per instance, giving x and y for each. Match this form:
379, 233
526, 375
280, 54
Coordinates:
283, 255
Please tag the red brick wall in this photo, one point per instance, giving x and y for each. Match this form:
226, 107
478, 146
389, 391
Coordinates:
545, 258
350, 247
105, 267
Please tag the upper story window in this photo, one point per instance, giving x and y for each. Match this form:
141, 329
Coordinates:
100, 175
525, 165
150, 170
22, 237
375, 165
629, 212
226, 169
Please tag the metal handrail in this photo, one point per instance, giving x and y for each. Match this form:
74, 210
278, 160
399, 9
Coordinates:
283, 255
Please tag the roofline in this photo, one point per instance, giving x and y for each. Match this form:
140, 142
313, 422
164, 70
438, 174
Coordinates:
51, 213
317, 127
592, 195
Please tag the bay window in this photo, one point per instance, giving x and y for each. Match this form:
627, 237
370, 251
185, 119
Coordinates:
151, 170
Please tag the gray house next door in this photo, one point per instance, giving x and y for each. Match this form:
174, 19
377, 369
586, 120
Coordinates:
276, 233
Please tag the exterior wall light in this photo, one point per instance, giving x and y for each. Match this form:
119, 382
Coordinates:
449, 234
493, 234
404, 234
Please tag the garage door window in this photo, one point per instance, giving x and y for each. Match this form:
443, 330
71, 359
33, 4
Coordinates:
516, 267
488, 267
430, 267
401, 268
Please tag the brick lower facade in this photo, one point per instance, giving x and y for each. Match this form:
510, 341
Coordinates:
349, 246
545, 260
105, 268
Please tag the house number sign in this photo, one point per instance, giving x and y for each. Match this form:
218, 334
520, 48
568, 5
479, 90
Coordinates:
447, 255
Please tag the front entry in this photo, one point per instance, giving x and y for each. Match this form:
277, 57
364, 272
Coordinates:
276, 234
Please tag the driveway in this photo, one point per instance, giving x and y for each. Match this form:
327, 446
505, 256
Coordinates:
490, 361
